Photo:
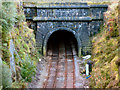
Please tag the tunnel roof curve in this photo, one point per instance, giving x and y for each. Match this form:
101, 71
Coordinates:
62, 29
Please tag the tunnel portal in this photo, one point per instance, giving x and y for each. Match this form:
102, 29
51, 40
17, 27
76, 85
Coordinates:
61, 37
80, 18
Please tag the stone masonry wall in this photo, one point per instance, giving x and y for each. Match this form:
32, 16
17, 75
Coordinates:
81, 19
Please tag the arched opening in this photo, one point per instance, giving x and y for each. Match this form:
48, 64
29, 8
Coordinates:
61, 37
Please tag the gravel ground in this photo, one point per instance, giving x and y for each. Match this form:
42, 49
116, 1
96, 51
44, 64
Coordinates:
40, 76
42, 73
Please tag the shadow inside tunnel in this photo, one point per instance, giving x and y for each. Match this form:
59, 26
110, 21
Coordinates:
61, 37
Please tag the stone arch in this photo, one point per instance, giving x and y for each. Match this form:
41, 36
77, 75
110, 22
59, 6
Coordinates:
61, 28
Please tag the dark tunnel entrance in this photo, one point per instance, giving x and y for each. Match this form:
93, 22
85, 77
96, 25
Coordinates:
61, 37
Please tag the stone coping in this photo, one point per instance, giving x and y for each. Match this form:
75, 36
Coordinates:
62, 19
66, 3
66, 6
98, 6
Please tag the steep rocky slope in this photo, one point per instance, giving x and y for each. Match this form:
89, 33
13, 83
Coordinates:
19, 54
105, 52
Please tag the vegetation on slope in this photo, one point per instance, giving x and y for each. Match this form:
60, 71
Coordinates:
105, 52
13, 27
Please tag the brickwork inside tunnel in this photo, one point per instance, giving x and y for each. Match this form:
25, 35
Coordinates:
58, 37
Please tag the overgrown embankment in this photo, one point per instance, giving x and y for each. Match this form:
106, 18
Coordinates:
18, 63
105, 52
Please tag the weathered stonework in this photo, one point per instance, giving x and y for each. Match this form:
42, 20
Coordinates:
81, 19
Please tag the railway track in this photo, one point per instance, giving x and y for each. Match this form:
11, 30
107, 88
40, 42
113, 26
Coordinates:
61, 68
61, 71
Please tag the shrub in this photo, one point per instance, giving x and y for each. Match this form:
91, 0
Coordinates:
28, 70
6, 76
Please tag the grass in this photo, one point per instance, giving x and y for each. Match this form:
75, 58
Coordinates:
105, 53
